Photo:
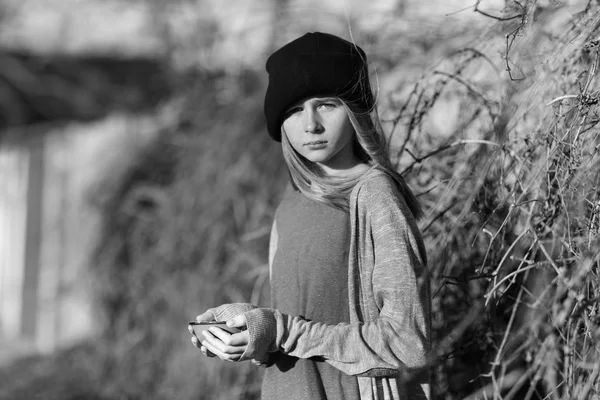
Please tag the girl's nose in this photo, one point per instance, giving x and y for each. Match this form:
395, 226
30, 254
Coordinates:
312, 124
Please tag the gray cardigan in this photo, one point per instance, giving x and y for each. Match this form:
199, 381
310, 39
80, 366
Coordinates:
388, 337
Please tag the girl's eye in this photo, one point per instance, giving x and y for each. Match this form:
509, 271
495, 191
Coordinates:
291, 112
327, 106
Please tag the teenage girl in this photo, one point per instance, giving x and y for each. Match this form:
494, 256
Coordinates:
350, 316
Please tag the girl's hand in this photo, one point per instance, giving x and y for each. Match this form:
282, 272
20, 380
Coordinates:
207, 316
226, 346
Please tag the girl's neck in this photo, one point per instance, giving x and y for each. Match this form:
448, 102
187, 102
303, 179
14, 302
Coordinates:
354, 168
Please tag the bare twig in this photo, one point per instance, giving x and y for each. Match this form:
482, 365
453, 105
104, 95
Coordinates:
477, 10
442, 213
510, 38
477, 93
478, 54
561, 98
446, 147
490, 293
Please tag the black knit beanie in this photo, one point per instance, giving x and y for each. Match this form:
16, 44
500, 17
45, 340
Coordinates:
316, 64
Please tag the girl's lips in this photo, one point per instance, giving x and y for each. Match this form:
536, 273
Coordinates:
316, 143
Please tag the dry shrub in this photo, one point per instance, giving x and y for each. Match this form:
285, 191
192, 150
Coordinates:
511, 181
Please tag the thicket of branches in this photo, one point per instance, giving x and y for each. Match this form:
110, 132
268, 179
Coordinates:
513, 191
500, 140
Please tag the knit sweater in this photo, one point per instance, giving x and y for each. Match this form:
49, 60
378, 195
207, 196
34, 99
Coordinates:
387, 342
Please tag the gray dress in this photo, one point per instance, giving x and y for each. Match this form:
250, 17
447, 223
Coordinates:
310, 279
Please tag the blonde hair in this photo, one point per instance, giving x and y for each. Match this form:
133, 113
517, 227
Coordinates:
370, 147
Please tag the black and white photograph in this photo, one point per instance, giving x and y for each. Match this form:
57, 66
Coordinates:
299, 200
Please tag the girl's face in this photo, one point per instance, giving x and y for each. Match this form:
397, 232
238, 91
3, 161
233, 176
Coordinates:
319, 130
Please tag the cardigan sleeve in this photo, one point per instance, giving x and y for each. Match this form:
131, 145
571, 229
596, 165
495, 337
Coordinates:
397, 339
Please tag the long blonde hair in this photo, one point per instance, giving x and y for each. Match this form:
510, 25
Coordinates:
370, 147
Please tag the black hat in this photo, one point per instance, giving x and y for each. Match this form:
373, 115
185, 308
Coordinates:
316, 64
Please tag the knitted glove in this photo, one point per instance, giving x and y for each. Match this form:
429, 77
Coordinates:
226, 312
262, 329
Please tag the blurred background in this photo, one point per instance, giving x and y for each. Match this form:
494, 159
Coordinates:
138, 186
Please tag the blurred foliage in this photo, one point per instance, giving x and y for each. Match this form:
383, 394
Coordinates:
506, 166
188, 229
49, 88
